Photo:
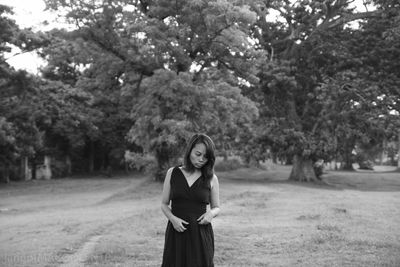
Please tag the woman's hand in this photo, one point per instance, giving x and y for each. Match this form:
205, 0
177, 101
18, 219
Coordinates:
206, 218
178, 224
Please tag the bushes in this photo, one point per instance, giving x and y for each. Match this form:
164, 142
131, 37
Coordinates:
319, 168
229, 164
364, 162
140, 162
59, 168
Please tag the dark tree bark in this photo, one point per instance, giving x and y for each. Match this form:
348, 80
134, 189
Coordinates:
348, 161
68, 163
6, 174
91, 156
162, 155
398, 158
302, 170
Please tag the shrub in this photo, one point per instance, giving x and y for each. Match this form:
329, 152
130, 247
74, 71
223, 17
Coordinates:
58, 168
319, 168
229, 164
140, 162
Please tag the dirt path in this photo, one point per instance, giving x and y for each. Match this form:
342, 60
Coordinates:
265, 221
78, 258
62, 219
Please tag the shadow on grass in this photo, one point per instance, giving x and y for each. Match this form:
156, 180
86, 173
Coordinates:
375, 181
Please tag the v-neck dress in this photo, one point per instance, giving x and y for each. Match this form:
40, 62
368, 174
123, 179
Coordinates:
193, 247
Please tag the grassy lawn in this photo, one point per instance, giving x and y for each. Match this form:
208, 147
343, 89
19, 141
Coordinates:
352, 219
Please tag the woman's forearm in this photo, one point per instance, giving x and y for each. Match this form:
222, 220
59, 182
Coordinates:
215, 211
167, 211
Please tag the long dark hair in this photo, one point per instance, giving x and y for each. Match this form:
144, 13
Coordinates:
208, 169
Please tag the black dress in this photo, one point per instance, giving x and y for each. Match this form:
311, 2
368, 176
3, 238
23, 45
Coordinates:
195, 246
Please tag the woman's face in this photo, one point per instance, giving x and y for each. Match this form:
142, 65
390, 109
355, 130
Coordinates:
198, 156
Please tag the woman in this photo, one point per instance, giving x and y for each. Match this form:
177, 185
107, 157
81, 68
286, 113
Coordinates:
189, 237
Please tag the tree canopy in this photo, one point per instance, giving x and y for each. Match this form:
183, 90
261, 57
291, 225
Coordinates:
319, 99
316, 83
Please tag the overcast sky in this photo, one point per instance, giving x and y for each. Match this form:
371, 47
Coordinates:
28, 14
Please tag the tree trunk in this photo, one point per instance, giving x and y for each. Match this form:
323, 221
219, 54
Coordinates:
289, 160
348, 166
25, 169
69, 164
163, 155
91, 156
6, 174
274, 158
47, 168
225, 155
348, 159
162, 165
33, 169
398, 154
302, 170
106, 164
383, 154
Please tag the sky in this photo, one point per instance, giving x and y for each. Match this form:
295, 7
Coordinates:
28, 13
31, 13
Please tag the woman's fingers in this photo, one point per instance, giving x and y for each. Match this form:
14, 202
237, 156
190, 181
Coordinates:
204, 219
200, 218
181, 227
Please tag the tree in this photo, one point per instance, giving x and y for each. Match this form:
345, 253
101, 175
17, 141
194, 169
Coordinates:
20, 135
173, 107
307, 79
303, 72
129, 48
66, 117
384, 36
78, 62
8, 145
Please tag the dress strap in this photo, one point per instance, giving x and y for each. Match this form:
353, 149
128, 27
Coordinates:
173, 173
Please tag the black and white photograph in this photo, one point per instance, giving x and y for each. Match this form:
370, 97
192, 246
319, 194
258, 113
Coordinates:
199, 133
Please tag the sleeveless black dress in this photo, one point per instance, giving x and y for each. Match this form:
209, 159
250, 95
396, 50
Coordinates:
195, 246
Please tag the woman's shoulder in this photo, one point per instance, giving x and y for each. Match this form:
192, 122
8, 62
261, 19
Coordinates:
172, 172
214, 180
171, 169
169, 174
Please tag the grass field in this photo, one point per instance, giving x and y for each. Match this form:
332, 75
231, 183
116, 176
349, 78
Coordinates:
352, 219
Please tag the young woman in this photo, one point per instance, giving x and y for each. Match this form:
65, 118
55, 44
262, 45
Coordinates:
189, 237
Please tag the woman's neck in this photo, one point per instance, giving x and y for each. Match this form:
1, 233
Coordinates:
195, 170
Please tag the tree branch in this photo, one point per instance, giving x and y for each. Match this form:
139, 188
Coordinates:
345, 19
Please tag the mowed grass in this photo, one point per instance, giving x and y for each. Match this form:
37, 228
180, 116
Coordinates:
351, 219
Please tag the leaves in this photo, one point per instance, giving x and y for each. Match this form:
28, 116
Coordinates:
151, 73
174, 107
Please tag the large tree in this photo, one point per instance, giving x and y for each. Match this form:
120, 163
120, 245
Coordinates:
83, 67
378, 48
127, 51
302, 70
174, 106
314, 103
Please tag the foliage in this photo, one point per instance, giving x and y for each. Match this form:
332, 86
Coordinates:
140, 162
316, 101
174, 107
19, 135
229, 164
145, 75
121, 52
